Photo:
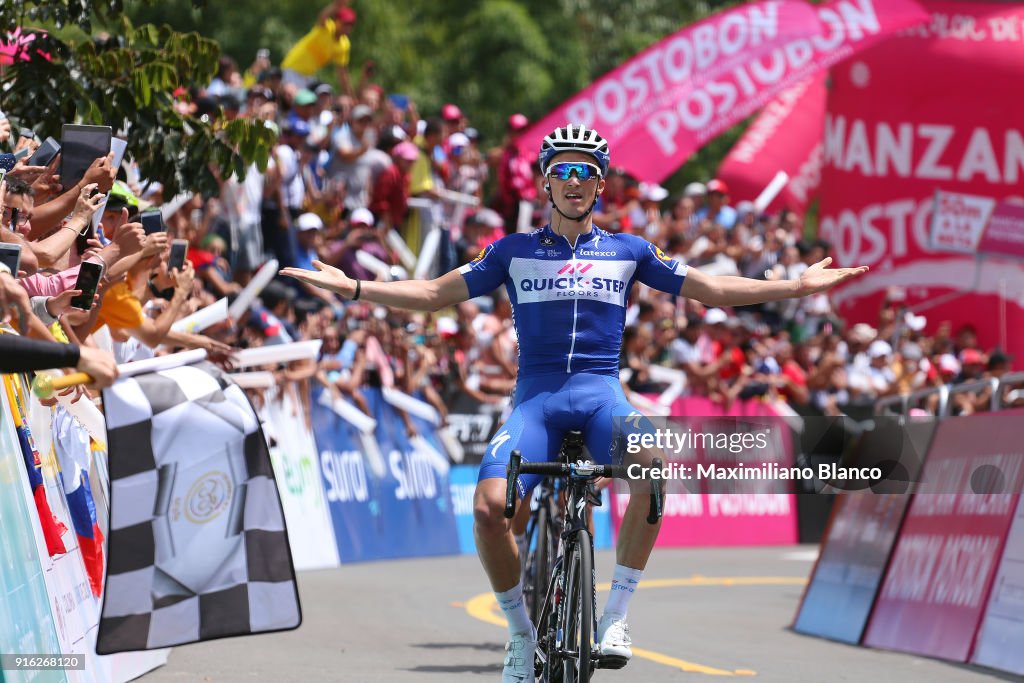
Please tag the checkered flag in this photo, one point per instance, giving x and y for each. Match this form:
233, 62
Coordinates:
197, 547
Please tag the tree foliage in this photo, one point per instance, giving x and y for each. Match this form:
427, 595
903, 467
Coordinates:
492, 57
126, 81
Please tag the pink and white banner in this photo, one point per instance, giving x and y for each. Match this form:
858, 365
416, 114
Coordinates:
709, 512
666, 102
786, 136
921, 112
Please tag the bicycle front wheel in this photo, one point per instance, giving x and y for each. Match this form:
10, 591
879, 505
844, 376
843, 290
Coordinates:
539, 563
578, 617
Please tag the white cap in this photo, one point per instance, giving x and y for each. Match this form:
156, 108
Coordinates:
309, 221
653, 192
695, 190
715, 316
915, 322
879, 348
447, 326
863, 333
362, 216
458, 140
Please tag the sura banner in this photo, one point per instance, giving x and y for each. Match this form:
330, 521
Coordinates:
666, 102
785, 136
388, 493
939, 129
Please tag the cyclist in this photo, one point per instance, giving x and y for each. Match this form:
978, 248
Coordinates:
568, 283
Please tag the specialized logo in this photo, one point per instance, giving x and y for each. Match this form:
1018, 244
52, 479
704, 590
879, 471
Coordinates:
547, 241
498, 440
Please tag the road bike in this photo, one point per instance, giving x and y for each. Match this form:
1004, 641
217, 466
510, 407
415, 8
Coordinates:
567, 611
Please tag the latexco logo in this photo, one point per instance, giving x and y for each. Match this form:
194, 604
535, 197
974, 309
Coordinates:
597, 253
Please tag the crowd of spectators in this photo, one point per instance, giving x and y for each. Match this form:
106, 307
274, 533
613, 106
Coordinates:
359, 179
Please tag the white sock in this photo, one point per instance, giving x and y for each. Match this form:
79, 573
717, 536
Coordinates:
624, 584
514, 607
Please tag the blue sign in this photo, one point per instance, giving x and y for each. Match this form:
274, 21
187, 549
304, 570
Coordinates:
401, 507
463, 484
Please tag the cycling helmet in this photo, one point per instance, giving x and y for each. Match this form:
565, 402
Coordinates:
574, 138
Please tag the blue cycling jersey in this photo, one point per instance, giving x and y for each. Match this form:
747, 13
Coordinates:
569, 301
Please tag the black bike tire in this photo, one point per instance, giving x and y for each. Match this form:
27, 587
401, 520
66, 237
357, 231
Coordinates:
541, 572
580, 594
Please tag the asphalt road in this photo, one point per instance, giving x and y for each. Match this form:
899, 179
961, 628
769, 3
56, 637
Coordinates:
699, 615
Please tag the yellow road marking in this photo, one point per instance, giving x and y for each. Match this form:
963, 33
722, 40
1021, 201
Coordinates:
697, 580
485, 608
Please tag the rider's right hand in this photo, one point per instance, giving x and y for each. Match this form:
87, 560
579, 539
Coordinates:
326, 277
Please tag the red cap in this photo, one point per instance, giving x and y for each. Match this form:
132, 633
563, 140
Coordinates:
450, 112
517, 122
717, 185
347, 15
972, 357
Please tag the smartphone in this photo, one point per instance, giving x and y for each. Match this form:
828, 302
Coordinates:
152, 222
45, 153
263, 53
10, 256
81, 145
89, 275
21, 153
179, 248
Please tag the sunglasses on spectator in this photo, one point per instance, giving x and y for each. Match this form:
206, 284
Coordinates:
17, 217
583, 171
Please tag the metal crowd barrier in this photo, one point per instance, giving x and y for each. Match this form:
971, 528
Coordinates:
902, 404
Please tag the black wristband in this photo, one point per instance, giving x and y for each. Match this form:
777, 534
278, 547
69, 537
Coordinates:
359, 286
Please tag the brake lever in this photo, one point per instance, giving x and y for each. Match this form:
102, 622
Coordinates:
515, 461
656, 508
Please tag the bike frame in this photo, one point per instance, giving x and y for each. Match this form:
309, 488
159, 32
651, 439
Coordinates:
577, 475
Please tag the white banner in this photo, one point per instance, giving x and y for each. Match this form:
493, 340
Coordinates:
294, 455
1002, 630
959, 221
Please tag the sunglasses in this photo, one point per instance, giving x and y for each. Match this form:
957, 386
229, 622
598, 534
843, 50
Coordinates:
18, 218
583, 171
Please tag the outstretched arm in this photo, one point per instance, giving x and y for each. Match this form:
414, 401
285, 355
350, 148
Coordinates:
728, 290
416, 295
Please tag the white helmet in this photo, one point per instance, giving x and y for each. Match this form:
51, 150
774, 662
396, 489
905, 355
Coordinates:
574, 138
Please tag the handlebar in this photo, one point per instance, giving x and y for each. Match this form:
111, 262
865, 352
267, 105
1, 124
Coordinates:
516, 467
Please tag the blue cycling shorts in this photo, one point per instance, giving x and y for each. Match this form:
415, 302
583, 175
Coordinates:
548, 406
